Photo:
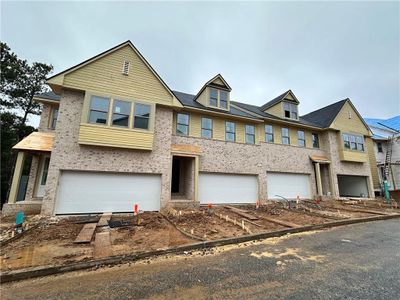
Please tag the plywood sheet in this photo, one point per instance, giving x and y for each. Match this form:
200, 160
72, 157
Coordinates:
37, 141
86, 234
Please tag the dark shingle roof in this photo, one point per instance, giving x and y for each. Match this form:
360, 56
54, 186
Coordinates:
50, 95
274, 101
188, 100
324, 117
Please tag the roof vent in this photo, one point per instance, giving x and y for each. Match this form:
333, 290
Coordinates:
125, 67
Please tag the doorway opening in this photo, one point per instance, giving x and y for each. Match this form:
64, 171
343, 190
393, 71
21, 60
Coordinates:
182, 181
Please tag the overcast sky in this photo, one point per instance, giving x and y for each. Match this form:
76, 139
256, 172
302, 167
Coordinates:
322, 51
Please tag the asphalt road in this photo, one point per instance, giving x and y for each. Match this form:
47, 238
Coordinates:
353, 262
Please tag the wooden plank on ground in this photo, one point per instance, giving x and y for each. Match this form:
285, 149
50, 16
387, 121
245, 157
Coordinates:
102, 245
280, 222
240, 212
368, 211
105, 217
86, 234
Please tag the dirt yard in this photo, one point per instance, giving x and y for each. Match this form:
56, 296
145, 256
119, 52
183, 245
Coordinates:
50, 241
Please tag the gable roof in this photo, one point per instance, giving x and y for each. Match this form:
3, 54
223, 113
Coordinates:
324, 117
188, 100
98, 56
210, 83
278, 99
50, 95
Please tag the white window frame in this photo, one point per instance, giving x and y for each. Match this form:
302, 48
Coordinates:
206, 129
284, 136
355, 142
187, 125
271, 134
293, 109
301, 139
230, 132
250, 134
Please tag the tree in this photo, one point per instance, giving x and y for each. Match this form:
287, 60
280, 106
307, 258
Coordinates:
19, 84
10, 128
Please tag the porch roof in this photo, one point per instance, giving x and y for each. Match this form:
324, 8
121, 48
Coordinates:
320, 159
37, 141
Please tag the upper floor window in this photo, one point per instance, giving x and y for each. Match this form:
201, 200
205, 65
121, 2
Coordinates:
315, 140
290, 110
353, 142
213, 97
250, 134
121, 113
379, 145
301, 138
54, 116
206, 128
141, 116
182, 124
223, 99
269, 133
98, 112
285, 136
230, 131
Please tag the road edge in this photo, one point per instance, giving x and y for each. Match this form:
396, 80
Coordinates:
40, 271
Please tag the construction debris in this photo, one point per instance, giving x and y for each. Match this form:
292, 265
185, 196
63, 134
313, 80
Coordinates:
86, 234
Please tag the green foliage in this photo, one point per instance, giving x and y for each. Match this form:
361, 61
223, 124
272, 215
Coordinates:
10, 129
19, 83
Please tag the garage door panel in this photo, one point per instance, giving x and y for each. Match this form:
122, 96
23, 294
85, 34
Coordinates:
90, 192
227, 188
288, 185
352, 186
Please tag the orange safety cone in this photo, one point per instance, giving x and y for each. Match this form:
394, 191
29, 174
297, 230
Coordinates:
258, 204
136, 209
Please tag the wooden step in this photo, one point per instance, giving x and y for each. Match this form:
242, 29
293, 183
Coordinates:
86, 233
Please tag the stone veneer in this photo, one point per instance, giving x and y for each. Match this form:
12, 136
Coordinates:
67, 154
216, 156
239, 158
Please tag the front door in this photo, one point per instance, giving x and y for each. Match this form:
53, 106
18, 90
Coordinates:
43, 170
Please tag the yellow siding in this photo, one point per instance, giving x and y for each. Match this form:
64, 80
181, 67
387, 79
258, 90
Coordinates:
218, 127
353, 156
218, 81
203, 97
104, 75
114, 137
276, 110
293, 136
369, 145
350, 125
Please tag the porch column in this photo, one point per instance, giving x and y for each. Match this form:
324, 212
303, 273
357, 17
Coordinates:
319, 181
196, 177
19, 165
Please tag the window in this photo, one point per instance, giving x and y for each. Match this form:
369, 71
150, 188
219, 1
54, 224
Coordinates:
250, 134
380, 149
125, 67
54, 116
346, 141
269, 133
301, 140
285, 136
223, 99
315, 140
141, 116
45, 170
230, 131
213, 97
360, 143
353, 142
98, 112
182, 124
290, 110
206, 128
121, 113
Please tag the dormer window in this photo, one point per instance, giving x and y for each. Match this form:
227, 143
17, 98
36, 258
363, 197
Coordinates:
213, 97
218, 98
223, 101
290, 110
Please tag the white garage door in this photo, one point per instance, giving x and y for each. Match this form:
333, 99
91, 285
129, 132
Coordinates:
288, 185
226, 188
94, 192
